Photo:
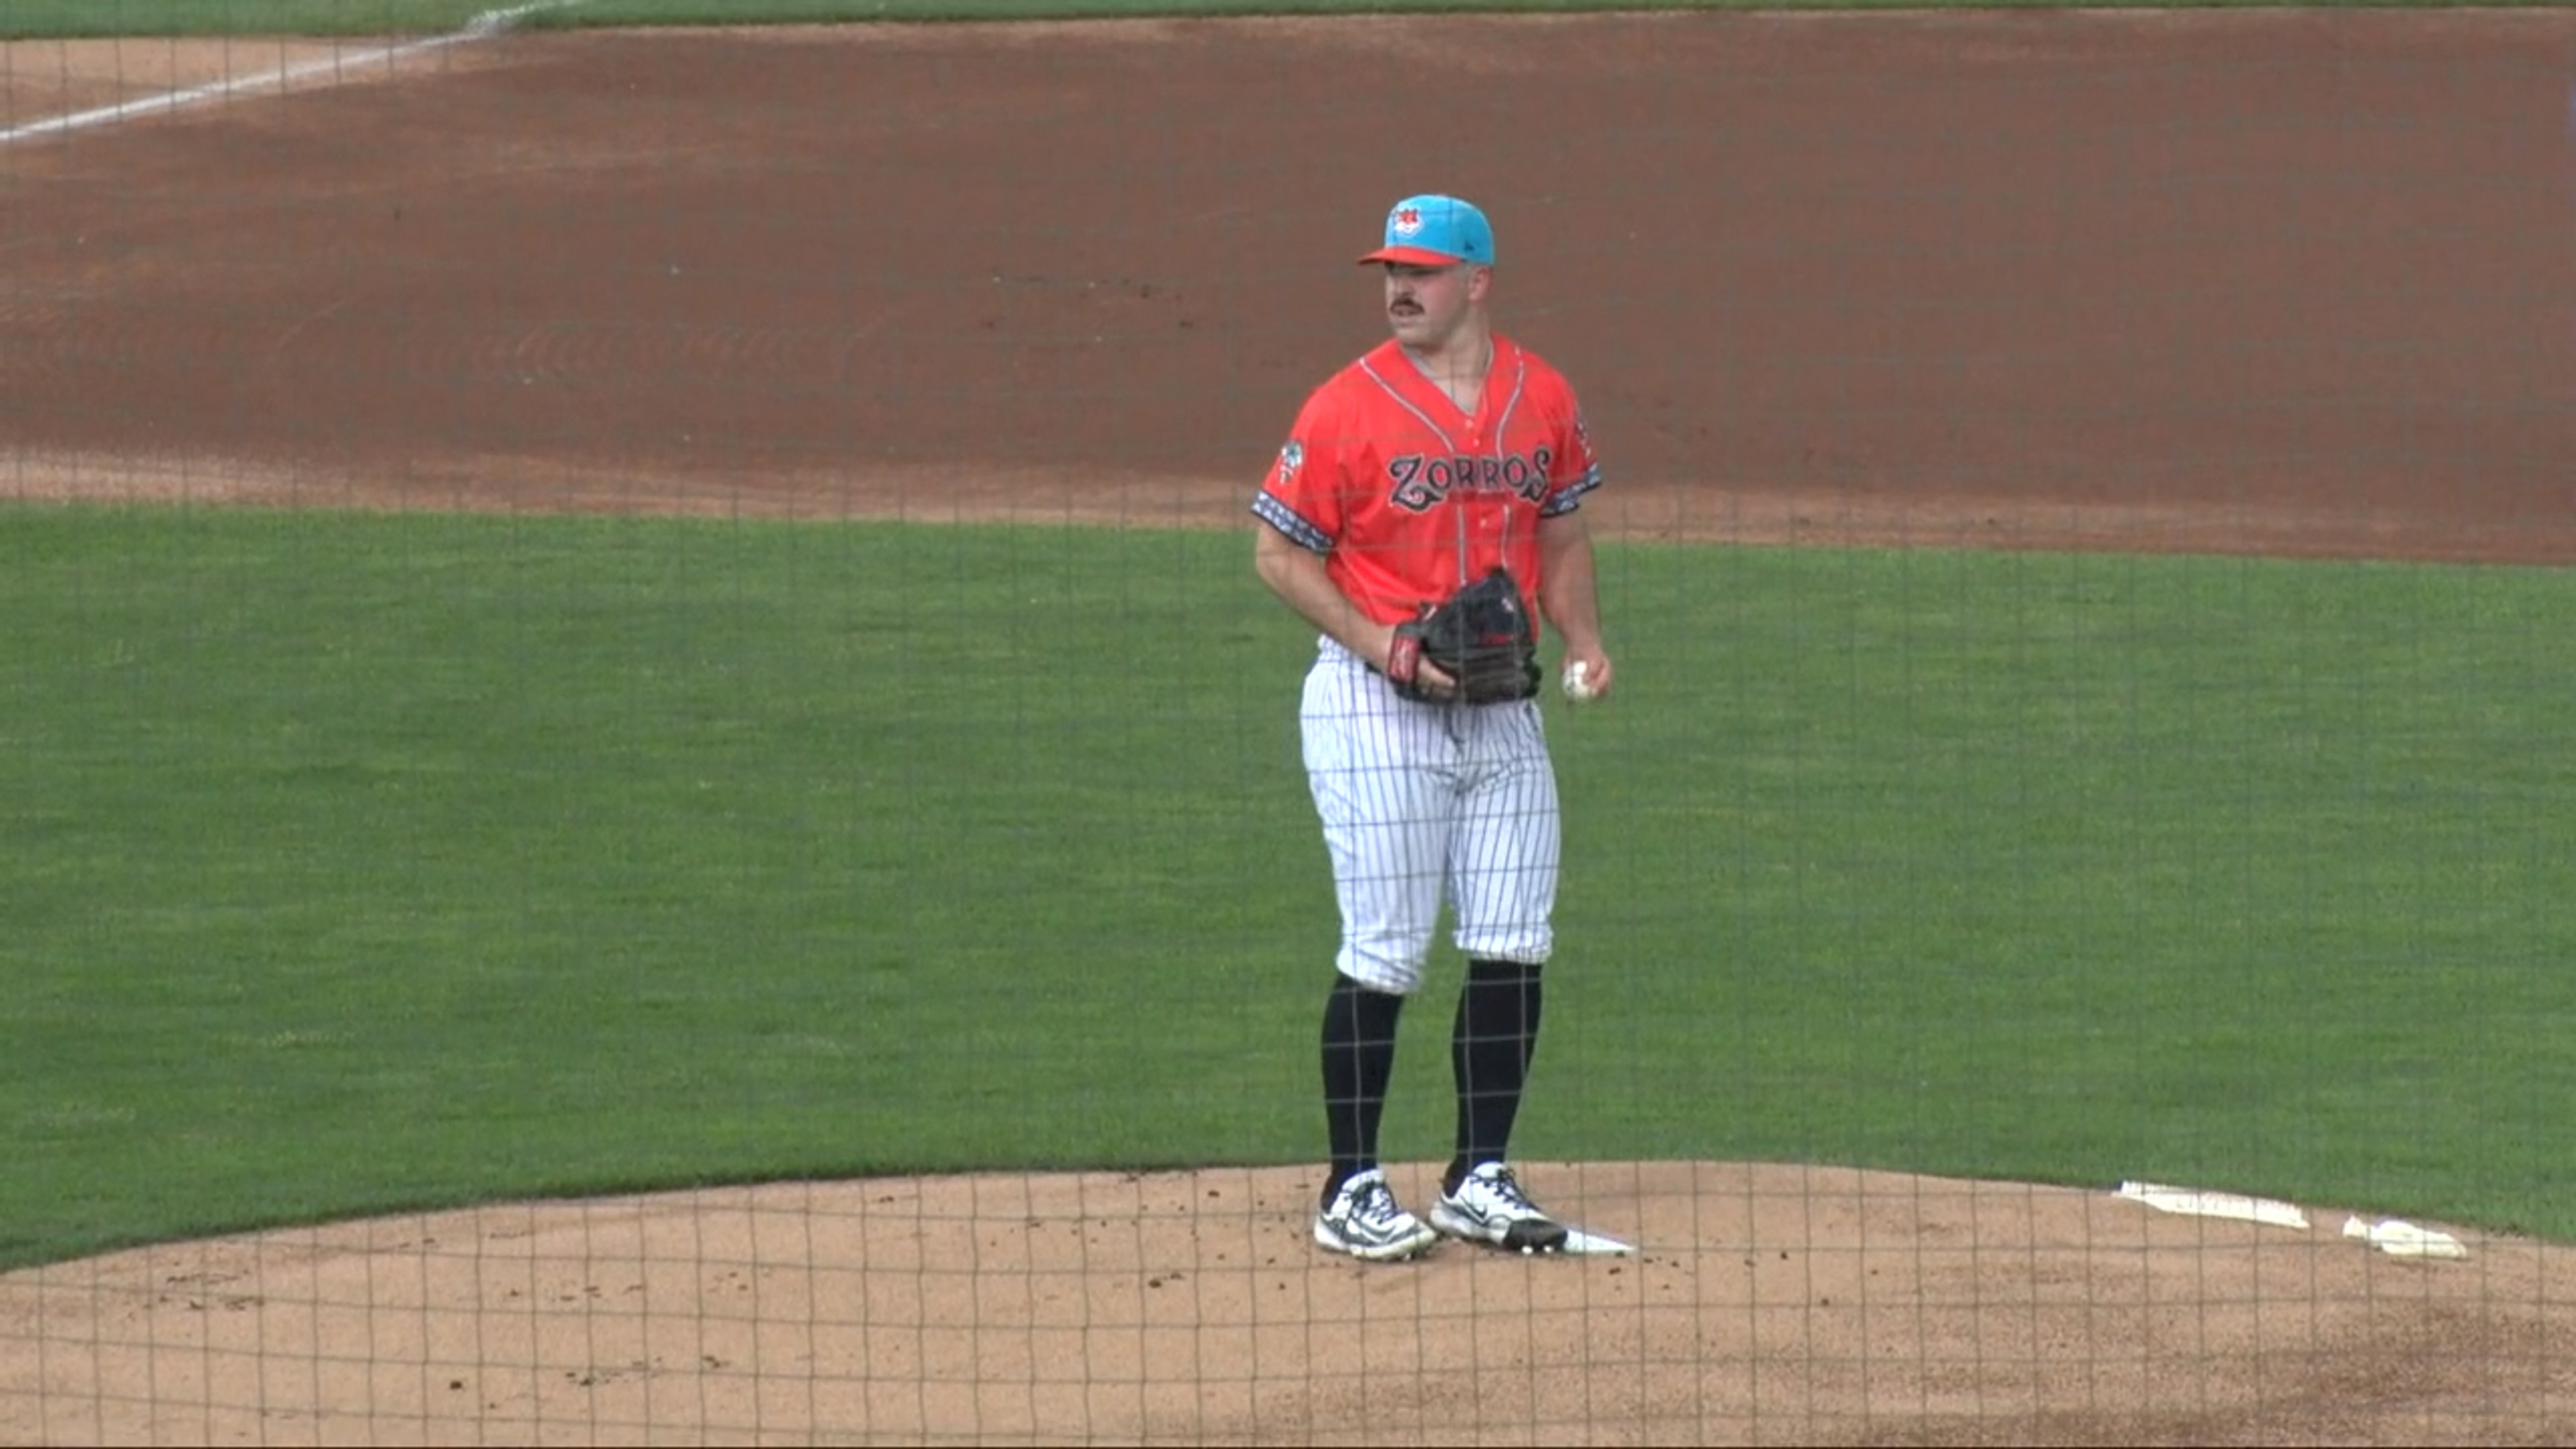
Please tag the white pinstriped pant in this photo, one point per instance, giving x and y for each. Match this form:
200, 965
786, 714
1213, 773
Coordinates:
1426, 803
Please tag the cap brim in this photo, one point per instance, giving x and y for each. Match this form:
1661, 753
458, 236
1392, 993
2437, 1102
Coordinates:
1411, 257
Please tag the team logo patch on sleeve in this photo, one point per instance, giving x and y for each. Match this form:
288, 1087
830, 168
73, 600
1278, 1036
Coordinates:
1291, 458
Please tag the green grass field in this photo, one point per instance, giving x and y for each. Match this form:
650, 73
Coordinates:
360, 863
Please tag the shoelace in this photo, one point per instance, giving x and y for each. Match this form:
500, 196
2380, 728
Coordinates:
1376, 1205
1507, 1189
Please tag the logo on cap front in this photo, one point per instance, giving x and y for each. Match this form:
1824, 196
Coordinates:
1406, 221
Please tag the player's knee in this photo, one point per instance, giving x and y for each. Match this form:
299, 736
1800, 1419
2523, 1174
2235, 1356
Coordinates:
1382, 966
1532, 943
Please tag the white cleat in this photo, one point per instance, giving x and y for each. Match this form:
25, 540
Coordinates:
1490, 1207
1365, 1221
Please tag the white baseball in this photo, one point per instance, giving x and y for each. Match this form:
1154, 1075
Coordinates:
1578, 686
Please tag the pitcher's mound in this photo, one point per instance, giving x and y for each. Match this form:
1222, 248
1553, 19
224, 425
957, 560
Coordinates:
1763, 1304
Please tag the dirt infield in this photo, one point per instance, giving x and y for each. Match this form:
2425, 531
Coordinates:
2285, 282
2248, 282
1766, 1305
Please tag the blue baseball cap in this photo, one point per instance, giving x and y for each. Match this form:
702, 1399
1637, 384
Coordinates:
1435, 231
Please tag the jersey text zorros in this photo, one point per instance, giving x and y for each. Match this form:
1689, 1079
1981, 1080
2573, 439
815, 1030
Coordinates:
1421, 483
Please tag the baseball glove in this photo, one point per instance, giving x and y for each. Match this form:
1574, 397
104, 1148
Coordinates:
1481, 636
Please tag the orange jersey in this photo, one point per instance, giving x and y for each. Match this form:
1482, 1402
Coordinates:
1407, 497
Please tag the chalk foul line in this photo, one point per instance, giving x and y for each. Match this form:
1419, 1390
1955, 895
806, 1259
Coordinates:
482, 27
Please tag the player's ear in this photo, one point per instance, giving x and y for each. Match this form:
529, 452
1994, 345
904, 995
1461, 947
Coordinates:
1480, 280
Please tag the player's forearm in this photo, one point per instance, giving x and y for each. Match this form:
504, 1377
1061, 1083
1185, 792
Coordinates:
1297, 575
1568, 593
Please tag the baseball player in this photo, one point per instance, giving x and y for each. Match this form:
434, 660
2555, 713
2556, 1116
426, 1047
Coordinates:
1447, 450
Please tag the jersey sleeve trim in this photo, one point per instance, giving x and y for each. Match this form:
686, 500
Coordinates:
1267, 507
1570, 497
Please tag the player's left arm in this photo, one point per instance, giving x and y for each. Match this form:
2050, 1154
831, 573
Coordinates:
1567, 592
1569, 595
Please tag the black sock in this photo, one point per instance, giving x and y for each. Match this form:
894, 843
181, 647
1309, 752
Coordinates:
1490, 1049
1359, 1061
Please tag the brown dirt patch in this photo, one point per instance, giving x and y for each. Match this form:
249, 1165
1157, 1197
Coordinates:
2283, 282
1769, 1304
2163, 282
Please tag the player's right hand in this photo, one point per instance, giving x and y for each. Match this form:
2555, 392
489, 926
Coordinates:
1399, 658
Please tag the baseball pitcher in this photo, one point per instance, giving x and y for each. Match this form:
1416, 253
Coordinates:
1422, 512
